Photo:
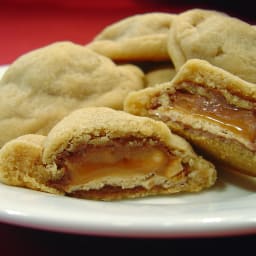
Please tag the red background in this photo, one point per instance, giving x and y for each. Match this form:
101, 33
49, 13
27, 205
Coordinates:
30, 24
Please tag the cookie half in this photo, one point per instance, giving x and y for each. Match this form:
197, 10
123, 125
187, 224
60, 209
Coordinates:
210, 107
108, 155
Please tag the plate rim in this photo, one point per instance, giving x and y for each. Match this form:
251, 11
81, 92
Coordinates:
114, 220
128, 225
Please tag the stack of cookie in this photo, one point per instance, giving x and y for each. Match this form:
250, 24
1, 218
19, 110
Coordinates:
116, 118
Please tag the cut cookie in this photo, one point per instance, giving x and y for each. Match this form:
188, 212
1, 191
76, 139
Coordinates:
44, 85
222, 40
137, 38
108, 155
210, 107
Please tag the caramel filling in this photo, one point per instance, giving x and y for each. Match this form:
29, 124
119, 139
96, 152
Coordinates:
215, 108
123, 161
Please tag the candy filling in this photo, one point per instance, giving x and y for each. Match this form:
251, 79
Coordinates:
214, 107
119, 160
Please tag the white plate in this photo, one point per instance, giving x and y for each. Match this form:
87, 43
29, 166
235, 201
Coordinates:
229, 208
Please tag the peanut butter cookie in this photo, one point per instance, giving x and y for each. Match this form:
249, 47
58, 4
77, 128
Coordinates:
222, 40
210, 107
108, 154
136, 38
44, 85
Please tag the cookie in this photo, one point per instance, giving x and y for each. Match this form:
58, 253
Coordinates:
21, 164
44, 85
137, 38
107, 154
210, 107
224, 41
159, 76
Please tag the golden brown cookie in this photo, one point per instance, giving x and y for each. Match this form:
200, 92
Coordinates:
222, 40
159, 75
21, 164
210, 107
108, 155
139, 37
44, 85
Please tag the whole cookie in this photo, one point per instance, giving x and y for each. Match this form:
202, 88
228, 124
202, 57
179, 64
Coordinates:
222, 40
138, 37
43, 86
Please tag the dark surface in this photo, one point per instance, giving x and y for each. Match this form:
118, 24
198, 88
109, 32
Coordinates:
24, 241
